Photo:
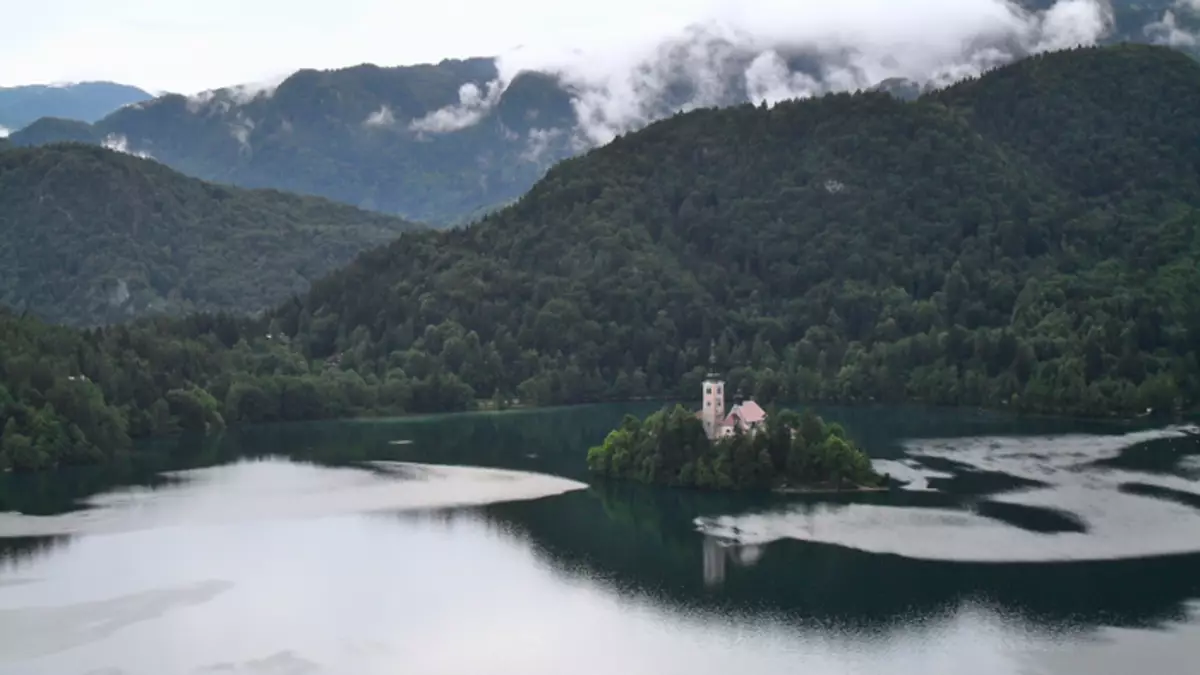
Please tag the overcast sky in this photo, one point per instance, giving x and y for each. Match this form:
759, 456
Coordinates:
191, 45
188, 46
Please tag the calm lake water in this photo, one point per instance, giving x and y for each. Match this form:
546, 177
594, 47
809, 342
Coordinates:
1014, 546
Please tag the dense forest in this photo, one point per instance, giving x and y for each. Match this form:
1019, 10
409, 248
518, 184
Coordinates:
1025, 240
792, 451
90, 236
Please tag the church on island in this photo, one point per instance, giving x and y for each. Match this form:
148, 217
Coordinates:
745, 415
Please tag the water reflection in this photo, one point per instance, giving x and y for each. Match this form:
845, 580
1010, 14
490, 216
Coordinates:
19, 552
297, 568
643, 542
718, 552
1073, 490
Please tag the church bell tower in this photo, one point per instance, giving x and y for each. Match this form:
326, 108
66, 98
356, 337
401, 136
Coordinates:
713, 397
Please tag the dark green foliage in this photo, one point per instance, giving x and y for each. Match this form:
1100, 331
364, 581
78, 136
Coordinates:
48, 130
984, 245
85, 101
69, 396
792, 451
91, 236
1028, 239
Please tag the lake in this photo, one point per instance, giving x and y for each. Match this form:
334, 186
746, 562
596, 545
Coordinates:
475, 544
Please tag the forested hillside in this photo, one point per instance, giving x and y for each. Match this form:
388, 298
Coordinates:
89, 236
1025, 240
445, 143
1028, 239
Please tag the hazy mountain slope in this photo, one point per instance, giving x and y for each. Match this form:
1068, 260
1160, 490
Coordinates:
88, 235
444, 143
85, 101
966, 248
366, 135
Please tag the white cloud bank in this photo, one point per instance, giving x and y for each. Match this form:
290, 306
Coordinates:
780, 49
627, 63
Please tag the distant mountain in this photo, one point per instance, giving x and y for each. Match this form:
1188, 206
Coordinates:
446, 143
433, 142
1024, 240
88, 236
85, 101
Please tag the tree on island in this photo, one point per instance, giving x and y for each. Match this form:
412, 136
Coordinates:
793, 451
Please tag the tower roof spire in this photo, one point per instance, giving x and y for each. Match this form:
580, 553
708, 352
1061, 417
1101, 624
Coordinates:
712, 360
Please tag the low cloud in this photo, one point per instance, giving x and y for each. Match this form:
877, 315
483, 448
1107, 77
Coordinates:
240, 129
380, 118
120, 143
540, 142
227, 97
4, 132
473, 104
772, 50
1170, 31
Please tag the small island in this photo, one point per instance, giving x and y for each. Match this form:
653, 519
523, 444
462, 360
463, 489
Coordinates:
742, 449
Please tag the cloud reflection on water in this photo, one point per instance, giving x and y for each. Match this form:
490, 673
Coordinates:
1069, 477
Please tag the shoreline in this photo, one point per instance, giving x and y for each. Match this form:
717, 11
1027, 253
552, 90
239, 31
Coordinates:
858, 489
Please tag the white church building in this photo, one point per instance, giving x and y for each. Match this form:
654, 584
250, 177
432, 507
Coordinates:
745, 415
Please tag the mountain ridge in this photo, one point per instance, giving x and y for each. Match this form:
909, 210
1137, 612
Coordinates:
93, 236
443, 143
85, 101
966, 248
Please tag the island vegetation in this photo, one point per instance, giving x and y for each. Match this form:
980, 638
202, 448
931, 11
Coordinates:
1025, 240
792, 452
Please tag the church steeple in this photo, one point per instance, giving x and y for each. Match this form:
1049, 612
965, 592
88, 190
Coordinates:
712, 361
713, 398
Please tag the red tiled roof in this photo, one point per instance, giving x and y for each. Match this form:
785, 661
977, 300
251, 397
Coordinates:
751, 412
